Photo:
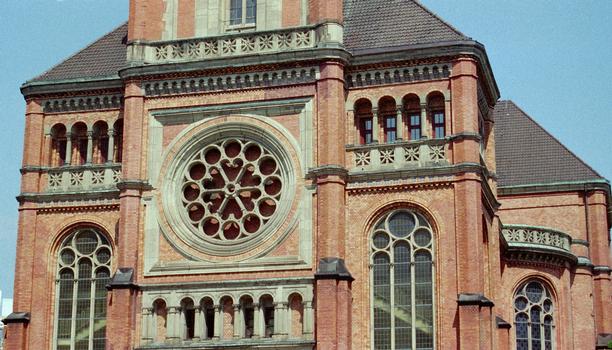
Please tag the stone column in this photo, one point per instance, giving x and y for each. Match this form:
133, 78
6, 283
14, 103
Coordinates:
218, 322
68, 148
424, 122
173, 322
110, 156
283, 321
48, 150
147, 315
375, 126
257, 321
199, 326
399, 123
308, 324
238, 328
89, 147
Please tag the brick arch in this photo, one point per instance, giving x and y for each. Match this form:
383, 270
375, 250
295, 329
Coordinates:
539, 276
413, 204
70, 224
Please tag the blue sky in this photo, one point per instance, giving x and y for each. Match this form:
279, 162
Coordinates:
552, 57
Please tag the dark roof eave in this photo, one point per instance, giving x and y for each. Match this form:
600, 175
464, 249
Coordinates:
70, 85
569, 186
428, 50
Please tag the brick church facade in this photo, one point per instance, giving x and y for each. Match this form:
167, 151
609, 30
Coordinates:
299, 174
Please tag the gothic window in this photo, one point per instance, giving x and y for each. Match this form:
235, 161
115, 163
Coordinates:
83, 272
534, 319
117, 151
387, 111
58, 145
413, 110
366, 130
390, 129
208, 309
436, 108
243, 12
402, 283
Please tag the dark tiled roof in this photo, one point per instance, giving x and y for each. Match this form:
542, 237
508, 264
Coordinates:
527, 154
377, 24
103, 58
368, 24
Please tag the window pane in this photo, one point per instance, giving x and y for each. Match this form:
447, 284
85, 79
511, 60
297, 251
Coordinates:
415, 127
402, 294
423, 300
235, 12
439, 131
382, 302
251, 11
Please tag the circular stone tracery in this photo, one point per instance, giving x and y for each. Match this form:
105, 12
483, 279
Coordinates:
231, 189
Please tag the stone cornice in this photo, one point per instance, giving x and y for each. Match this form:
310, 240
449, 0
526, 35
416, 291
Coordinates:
226, 284
71, 85
68, 196
569, 186
83, 103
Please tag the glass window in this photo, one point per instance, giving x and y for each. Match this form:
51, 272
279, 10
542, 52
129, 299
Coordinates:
415, 126
242, 12
402, 282
533, 320
365, 130
390, 129
438, 124
83, 273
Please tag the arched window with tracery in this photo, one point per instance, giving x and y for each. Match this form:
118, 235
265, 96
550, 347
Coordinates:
533, 317
401, 260
84, 263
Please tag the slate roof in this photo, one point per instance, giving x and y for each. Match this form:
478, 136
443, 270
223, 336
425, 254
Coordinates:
103, 58
378, 24
368, 25
527, 154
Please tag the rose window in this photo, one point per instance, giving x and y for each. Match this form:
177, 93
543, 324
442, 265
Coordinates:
231, 189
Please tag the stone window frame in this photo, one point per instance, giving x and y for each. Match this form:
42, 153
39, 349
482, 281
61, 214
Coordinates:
66, 249
382, 226
546, 301
229, 130
244, 20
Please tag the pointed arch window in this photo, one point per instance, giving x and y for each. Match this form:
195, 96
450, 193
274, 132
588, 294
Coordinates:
533, 317
84, 263
402, 285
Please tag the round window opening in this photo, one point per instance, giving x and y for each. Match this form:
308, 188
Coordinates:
231, 189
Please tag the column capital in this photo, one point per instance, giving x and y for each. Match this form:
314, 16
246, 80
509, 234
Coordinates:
174, 309
89, 134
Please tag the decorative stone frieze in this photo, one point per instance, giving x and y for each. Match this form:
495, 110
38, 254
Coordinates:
83, 178
83, 103
237, 44
538, 244
399, 155
398, 75
232, 81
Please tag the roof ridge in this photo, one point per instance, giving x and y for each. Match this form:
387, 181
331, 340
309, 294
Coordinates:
450, 26
95, 41
551, 136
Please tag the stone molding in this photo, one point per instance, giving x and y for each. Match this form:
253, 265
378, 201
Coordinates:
83, 103
238, 81
323, 35
83, 178
538, 244
393, 75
